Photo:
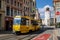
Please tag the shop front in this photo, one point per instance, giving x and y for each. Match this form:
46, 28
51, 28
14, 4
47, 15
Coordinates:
8, 23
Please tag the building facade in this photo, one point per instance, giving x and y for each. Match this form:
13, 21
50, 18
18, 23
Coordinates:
2, 14
37, 15
57, 9
11, 8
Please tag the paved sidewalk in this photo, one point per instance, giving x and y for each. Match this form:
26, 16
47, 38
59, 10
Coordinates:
5, 33
57, 34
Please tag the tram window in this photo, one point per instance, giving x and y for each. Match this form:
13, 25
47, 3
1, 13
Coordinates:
16, 21
23, 21
27, 22
34, 22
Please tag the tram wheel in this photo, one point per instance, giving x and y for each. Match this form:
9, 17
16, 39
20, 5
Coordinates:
17, 32
30, 31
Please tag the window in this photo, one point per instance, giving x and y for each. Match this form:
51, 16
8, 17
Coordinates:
24, 13
34, 22
24, 1
11, 1
28, 9
17, 21
15, 3
7, 11
11, 12
18, 4
33, 3
24, 8
0, 4
27, 22
15, 12
7, 1
23, 21
19, 13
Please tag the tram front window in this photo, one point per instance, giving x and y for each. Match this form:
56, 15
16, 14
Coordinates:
17, 21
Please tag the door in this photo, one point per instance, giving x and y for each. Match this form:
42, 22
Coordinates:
8, 26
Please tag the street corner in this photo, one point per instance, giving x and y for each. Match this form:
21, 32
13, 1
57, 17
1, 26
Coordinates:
42, 37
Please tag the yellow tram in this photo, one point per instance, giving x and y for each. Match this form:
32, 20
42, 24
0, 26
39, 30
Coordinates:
24, 24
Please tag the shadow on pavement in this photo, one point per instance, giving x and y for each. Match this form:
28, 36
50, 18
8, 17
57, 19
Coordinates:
5, 32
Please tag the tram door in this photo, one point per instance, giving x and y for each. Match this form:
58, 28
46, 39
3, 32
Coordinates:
8, 26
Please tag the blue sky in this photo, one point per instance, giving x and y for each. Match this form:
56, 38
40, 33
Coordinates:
42, 3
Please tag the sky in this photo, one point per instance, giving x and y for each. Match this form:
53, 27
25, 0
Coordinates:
42, 4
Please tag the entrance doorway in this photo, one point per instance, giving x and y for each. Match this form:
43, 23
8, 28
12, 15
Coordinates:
8, 26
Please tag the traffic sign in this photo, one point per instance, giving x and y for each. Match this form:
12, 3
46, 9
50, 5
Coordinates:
57, 13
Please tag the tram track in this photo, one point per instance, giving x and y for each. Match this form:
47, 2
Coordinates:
18, 37
21, 37
28, 36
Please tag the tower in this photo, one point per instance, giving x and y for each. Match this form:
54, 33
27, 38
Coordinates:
47, 16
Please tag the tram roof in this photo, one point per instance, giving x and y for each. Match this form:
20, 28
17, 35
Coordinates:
22, 17
27, 17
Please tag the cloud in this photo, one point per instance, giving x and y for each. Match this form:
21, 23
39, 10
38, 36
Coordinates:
44, 8
51, 8
41, 10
